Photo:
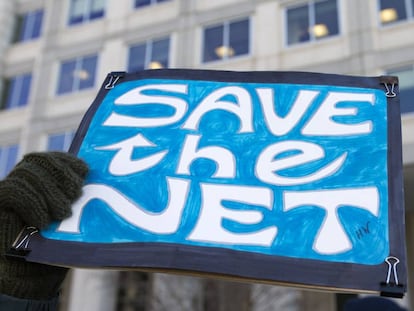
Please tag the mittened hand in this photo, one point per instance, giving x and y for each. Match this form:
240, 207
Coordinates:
41, 188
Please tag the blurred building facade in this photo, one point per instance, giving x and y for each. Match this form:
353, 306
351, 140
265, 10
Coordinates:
55, 54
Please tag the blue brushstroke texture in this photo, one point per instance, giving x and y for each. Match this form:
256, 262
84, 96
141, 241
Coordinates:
366, 165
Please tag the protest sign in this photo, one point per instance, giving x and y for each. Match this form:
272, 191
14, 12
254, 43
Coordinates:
281, 177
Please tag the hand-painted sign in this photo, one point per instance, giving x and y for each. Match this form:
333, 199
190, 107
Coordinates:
284, 177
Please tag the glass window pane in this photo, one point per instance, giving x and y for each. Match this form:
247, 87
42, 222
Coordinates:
4, 90
239, 38
66, 77
141, 3
298, 25
25, 20
392, 11
97, 9
8, 158
77, 11
326, 19
407, 100
86, 74
160, 53
11, 92
412, 8
24, 90
86, 10
136, 59
37, 24
17, 91
55, 142
28, 26
11, 157
97, 5
68, 140
406, 86
213, 43
60, 142
19, 29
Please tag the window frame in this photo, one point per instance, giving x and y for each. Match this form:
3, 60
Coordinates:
76, 79
151, 2
226, 39
140, 284
25, 29
409, 12
66, 138
87, 14
6, 164
16, 91
312, 17
394, 72
148, 57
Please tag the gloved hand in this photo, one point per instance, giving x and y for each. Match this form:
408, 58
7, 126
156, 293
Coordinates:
41, 188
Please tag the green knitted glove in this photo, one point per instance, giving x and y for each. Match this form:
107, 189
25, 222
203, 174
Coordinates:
41, 188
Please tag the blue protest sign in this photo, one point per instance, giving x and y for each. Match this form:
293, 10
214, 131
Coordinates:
268, 170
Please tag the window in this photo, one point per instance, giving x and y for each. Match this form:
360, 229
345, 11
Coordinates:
60, 142
141, 3
406, 86
28, 26
83, 11
8, 158
152, 54
312, 21
134, 292
216, 295
226, 40
392, 11
16, 91
77, 74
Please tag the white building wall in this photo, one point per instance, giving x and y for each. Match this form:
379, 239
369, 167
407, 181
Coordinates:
363, 48
93, 290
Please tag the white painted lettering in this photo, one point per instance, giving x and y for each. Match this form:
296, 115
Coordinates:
122, 164
331, 238
323, 123
282, 125
267, 165
213, 101
225, 160
209, 224
136, 97
166, 222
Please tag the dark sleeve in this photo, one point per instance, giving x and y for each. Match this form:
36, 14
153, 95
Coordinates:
16, 304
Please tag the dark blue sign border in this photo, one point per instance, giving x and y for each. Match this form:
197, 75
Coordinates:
243, 265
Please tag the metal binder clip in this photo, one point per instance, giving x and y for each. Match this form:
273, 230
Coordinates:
390, 91
389, 288
113, 79
20, 247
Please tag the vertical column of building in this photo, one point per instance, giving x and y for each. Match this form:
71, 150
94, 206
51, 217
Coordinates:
33, 129
93, 290
268, 36
185, 49
359, 25
6, 23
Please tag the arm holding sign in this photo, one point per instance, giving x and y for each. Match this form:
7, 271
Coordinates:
40, 189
